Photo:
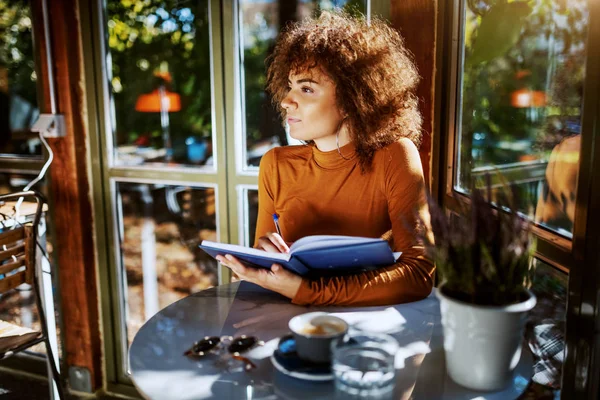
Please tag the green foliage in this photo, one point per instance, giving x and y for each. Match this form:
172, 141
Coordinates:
483, 255
495, 35
254, 79
510, 45
16, 48
355, 8
145, 36
165, 36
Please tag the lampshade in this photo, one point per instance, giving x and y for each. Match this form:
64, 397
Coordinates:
523, 98
150, 102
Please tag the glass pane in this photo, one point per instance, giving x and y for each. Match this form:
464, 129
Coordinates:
545, 329
18, 91
18, 306
261, 22
520, 115
161, 87
15, 182
251, 213
160, 227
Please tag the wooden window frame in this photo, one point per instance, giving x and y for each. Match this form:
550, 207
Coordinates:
579, 257
552, 248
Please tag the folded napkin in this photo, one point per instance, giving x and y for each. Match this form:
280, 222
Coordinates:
388, 321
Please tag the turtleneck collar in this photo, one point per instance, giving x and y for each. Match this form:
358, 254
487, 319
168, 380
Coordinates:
332, 159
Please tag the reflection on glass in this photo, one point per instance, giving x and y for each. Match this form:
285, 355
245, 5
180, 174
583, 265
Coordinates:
161, 89
18, 95
521, 102
261, 22
14, 182
545, 325
160, 228
252, 213
18, 306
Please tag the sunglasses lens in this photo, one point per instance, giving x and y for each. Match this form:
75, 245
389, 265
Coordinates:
206, 344
241, 344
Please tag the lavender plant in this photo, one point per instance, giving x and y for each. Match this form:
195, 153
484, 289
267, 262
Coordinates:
483, 256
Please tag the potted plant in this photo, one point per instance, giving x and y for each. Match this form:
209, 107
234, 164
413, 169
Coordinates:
483, 258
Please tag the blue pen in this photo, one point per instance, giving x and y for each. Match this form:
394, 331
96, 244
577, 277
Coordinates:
276, 220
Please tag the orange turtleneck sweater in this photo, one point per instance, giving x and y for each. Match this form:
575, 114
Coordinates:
321, 193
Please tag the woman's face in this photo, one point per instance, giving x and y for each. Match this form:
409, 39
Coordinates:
311, 110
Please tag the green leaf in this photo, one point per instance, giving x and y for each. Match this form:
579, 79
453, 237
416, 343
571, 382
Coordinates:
499, 31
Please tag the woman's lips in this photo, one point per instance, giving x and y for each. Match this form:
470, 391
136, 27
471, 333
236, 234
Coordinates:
292, 120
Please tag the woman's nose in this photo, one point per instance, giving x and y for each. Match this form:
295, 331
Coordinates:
288, 102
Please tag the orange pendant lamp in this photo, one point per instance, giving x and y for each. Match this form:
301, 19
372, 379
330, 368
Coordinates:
161, 101
151, 102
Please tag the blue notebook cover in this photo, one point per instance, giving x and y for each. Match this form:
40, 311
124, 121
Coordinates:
315, 255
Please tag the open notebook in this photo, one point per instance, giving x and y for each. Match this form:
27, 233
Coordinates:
315, 255
12, 336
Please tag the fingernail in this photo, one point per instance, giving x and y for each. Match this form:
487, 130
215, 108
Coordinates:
228, 256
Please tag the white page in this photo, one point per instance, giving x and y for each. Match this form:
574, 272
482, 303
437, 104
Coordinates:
246, 250
326, 241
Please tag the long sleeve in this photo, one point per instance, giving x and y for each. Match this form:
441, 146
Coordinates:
411, 278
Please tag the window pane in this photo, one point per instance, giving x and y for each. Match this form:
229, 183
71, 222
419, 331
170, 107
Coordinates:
261, 22
545, 327
251, 212
161, 87
18, 306
18, 91
522, 84
160, 228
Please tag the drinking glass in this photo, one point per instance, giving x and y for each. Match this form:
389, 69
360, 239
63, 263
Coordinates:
363, 365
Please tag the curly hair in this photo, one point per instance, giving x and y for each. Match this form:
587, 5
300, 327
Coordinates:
372, 70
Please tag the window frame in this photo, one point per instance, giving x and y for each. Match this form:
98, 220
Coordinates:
107, 173
239, 173
239, 78
243, 212
552, 247
32, 164
579, 257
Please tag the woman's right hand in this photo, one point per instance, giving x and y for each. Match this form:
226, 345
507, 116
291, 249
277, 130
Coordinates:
272, 243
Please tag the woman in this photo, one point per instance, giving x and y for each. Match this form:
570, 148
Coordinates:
344, 87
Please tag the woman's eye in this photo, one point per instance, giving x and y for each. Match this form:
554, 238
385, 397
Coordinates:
306, 89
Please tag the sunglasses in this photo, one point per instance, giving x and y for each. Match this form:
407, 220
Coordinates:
234, 346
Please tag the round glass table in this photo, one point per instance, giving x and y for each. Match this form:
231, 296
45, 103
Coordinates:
160, 370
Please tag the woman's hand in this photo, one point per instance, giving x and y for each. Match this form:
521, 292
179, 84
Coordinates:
276, 279
273, 243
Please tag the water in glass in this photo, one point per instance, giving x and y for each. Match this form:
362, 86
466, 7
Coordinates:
364, 371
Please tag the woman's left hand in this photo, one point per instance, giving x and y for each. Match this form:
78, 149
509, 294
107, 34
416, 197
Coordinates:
276, 279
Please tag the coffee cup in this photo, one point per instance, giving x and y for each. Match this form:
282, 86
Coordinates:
314, 332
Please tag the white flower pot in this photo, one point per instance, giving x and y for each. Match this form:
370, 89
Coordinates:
482, 343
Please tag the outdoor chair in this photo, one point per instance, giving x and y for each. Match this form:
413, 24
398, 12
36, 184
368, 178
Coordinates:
18, 241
